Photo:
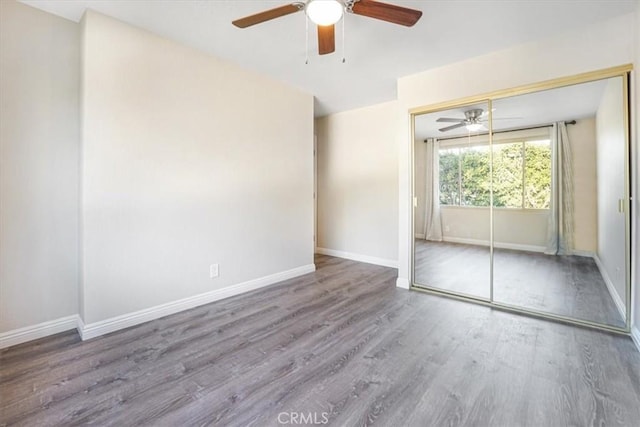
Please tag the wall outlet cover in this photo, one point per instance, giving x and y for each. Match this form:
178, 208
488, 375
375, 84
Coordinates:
214, 270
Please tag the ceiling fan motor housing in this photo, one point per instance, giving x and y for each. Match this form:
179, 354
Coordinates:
473, 116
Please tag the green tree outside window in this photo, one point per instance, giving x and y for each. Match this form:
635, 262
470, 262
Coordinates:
521, 171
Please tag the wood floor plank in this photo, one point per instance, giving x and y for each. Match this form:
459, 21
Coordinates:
343, 341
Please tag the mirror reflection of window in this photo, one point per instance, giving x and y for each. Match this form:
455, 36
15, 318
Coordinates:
528, 217
453, 192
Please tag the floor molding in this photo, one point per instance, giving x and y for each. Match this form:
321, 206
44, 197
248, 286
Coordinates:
612, 290
358, 257
92, 330
419, 236
500, 245
41, 330
588, 254
635, 336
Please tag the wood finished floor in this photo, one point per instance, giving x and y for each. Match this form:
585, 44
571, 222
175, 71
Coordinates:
344, 341
566, 285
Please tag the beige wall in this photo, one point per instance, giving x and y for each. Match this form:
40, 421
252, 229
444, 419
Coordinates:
187, 161
582, 137
513, 228
39, 148
357, 183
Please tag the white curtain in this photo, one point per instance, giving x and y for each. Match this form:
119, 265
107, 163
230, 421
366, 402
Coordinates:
560, 230
432, 222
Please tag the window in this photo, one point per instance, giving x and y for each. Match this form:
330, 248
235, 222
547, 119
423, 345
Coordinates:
449, 176
474, 176
508, 162
537, 174
521, 171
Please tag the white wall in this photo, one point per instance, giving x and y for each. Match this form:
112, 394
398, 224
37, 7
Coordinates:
358, 183
39, 149
599, 46
610, 140
187, 161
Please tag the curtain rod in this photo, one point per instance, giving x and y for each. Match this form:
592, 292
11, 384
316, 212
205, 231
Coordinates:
570, 122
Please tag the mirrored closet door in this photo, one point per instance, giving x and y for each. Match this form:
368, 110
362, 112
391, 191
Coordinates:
452, 200
559, 185
522, 202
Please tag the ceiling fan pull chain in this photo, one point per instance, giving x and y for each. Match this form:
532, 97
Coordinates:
306, 40
344, 18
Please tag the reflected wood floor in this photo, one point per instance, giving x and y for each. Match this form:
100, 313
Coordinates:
344, 341
567, 285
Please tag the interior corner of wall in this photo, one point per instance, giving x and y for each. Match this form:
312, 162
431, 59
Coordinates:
83, 18
80, 326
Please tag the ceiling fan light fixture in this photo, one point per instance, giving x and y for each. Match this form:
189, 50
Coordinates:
324, 12
474, 127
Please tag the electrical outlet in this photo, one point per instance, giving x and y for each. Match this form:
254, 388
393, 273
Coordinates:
213, 271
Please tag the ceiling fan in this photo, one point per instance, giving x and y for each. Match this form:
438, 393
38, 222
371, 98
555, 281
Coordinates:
326, 13
472, 120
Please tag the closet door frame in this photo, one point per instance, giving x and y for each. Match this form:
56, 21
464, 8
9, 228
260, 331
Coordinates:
620, 71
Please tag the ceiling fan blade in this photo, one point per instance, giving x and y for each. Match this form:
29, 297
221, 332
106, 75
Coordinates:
326, 39
449, 120
452, 127
267, 15
387, 12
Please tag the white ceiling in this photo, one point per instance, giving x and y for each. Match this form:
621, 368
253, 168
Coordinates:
540, 108
377, 52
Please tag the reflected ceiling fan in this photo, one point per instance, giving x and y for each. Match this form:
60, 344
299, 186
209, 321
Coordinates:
474, 120
326, 13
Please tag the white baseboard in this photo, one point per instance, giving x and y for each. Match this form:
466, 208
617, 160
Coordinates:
403, 283
635, 336
419, 236
612, 290
358, 257
588, 254
501, 245
92, 330
41, 330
